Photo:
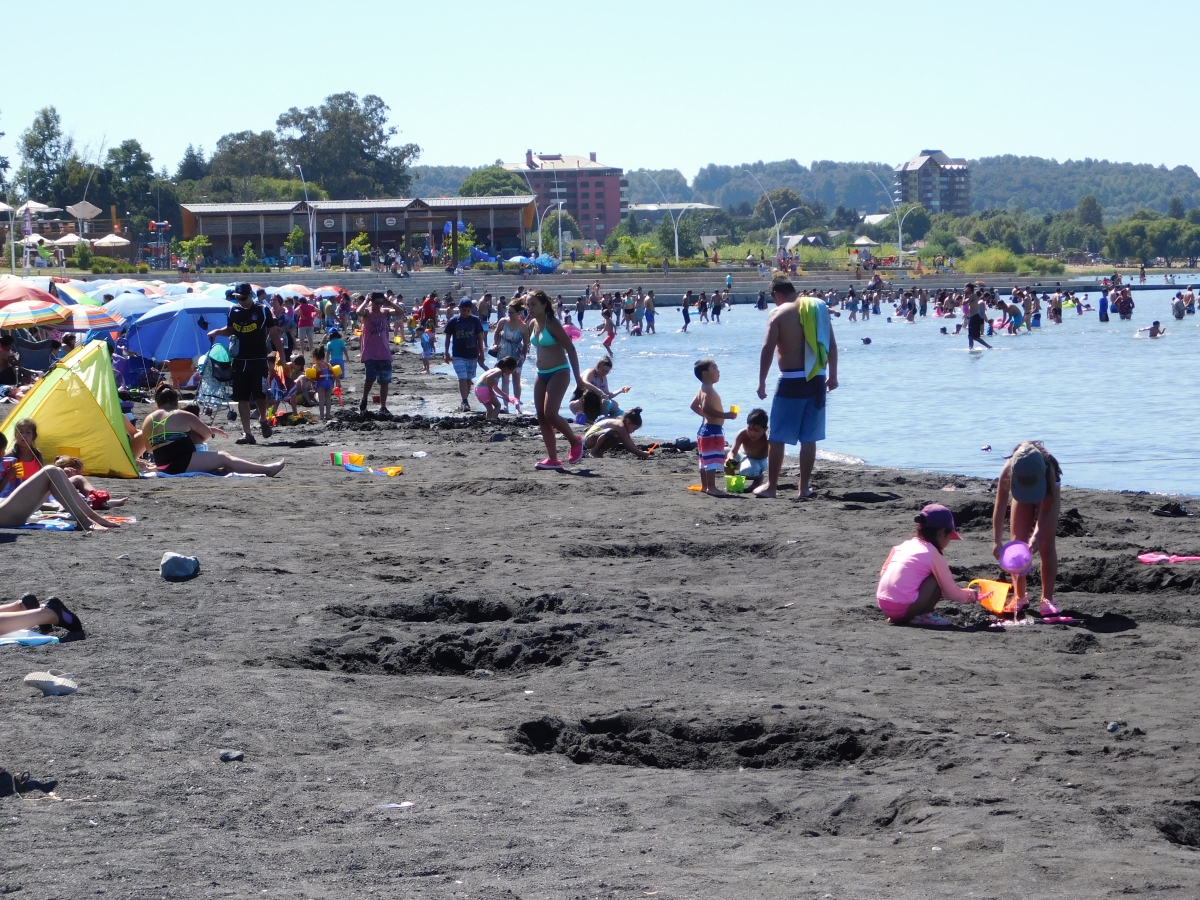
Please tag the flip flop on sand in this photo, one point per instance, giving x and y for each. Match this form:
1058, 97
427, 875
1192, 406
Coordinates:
53, 683
1173, 511
930, 620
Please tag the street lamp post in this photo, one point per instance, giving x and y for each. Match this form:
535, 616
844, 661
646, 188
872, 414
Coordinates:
560, 246
772, 205
674, 218
312, 237
895, 212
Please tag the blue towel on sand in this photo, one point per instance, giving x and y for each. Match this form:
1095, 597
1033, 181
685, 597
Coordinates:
27, 638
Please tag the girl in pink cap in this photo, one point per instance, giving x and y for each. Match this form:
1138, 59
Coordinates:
916, 576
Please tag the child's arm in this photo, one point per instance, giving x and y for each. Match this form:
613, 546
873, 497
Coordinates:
737, 445
698, 403
627, 442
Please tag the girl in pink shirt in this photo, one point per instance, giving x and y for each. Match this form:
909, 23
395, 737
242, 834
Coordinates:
916, 576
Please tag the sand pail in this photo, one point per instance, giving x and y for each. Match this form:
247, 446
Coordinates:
993, 594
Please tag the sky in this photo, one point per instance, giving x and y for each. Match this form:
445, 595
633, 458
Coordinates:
644, 85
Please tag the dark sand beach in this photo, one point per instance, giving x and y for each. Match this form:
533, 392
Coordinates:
591, 684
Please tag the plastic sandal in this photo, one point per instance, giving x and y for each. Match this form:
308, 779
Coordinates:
576, 452
930, 620
1046, 608
52, 683
549, 464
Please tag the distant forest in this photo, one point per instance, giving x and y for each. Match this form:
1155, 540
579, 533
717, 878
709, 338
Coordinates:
1012, 183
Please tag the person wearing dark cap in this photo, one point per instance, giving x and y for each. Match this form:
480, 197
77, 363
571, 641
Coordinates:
249, 328
465, 339
915, 575
1029, 491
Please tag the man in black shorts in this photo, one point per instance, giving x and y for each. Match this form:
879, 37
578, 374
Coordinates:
249, 327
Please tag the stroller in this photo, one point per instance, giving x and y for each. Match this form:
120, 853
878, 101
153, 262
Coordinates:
216, 373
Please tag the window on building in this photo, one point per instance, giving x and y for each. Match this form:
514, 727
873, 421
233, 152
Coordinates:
585, 195
599, 193
599, 206
583, 184
600, 216
585, 206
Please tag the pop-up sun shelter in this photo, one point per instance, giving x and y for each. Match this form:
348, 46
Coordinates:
78, 414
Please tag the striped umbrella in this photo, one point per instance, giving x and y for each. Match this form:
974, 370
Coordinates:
297, 289
91, 318
327, 292
24, 313
70, 294
15, 290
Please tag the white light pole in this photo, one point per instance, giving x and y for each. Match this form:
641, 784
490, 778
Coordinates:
560, 246
772, 205
674, 218
312, 237
783, 219
900, 236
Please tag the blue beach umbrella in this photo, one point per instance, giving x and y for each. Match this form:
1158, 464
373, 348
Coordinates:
132, 306
178, 330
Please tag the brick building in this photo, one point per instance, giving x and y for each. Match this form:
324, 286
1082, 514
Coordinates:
937, 182
594, 194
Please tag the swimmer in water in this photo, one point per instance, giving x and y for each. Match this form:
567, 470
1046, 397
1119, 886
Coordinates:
1155, 330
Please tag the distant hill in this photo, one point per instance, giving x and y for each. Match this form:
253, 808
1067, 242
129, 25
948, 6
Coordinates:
997, 182
438, 181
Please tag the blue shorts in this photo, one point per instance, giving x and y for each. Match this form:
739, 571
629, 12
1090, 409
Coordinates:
379, 370
465, 368
753, 468
797, 420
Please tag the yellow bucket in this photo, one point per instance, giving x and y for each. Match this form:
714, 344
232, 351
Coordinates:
993, 595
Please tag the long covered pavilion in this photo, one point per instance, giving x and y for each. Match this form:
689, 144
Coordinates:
403, 223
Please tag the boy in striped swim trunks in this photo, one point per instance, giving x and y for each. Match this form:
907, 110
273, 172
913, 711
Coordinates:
710, 439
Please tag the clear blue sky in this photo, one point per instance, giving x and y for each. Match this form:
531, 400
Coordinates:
649, 84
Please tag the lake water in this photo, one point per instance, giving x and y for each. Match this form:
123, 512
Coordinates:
1119, 412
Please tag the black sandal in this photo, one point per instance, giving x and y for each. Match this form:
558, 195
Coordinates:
66, 618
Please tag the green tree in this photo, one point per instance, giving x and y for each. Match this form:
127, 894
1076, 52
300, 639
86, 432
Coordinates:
360, 242
249, 257
1090, 212
550, 230
244, 154
346, 145
689, 242
781, 200
642, 188
1176, 209
492, 181
193, 250
296, 243
44, 150
83, 256
3, 163
843, 218
128, 161
193, 166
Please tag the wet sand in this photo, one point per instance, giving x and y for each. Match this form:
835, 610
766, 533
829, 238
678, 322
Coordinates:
593, 684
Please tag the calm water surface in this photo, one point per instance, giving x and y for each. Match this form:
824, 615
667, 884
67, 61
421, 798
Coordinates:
1120, 412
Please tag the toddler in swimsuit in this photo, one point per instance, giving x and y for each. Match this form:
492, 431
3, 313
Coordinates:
710, 439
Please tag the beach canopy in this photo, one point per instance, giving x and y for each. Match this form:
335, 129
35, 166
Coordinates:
78, 413
178, 330
13, 290
25, 313
111, 240
131, 305
865, 241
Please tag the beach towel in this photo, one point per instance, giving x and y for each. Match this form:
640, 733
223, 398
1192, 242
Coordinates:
63, 521
814, 319
200, 474
27, 638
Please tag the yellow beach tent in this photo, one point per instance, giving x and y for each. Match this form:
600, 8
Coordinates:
78, 413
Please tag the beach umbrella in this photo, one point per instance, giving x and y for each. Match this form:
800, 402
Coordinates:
520, 260
25, 313
131, 306
91, 318
68, 293
180, 288
111, 240
328, 291
178, 330
295, 289
35, 208
14, 290
31, 240
287, 293
69, 240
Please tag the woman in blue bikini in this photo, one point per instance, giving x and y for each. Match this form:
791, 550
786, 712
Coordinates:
556, 362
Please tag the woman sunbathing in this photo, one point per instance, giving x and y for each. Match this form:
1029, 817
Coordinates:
172, 435
30, 494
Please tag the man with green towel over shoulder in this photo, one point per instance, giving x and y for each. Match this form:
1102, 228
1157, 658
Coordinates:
800, 335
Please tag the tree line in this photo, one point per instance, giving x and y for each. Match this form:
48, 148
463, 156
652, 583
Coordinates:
344, 147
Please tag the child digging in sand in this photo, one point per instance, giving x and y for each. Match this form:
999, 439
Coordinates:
710, 439
488, 390
915, 575
753, 440
608, 434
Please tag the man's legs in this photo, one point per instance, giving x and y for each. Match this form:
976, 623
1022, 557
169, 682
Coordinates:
383, 392
244, 414
808, 459
775, 451
464, 389
362, 406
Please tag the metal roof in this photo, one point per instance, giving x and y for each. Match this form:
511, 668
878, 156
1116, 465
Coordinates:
664, 207
229, 209
936, 156
556, 161
518, 202
398, 203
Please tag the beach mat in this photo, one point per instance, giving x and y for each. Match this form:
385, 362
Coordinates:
27, 638
200, 475
52, 521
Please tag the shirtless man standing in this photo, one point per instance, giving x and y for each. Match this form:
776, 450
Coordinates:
798, 410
